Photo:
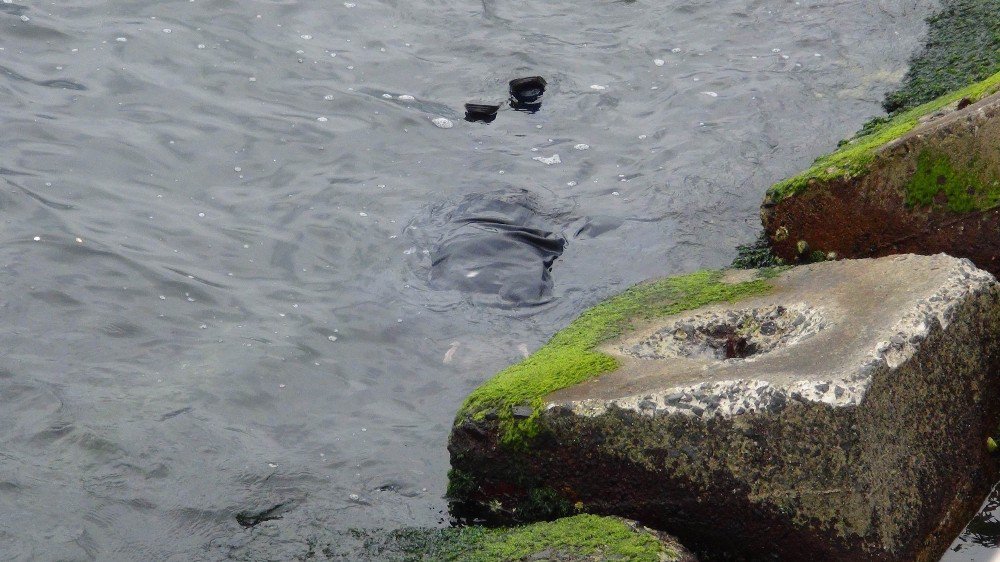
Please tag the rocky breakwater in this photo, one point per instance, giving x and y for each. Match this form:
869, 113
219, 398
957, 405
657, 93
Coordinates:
924, 181
840, 409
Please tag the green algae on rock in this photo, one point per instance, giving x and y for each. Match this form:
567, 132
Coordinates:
961, 188
514, 396
840, 203
856, 155
925, 178
580, 538
840, 412
960, 61
927, 181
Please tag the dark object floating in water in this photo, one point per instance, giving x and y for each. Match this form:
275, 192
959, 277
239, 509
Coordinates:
498, 244
528, 89
526, 93
478, 112
254, 518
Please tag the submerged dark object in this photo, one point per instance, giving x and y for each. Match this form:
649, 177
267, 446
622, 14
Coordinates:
478, 112
526, 93
254, 518
499, 244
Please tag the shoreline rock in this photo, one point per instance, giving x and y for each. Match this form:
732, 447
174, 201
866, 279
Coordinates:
927, 181
580, 538
862, 439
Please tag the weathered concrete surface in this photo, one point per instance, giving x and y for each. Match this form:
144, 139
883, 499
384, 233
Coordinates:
934, 189
859, 435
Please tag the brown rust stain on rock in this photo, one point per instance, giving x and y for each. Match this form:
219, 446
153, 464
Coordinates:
936, 189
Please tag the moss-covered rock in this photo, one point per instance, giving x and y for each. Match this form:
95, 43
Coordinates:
960, 61
580, 538
927, 181
513, 398
857, 156
903, 184
839, 409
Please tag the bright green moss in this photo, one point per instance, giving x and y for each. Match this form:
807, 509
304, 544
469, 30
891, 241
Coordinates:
961, 56
962, 190
570, 357
854, 157
579, 537
583, 535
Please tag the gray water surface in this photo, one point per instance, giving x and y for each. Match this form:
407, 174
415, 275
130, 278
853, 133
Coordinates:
242, 268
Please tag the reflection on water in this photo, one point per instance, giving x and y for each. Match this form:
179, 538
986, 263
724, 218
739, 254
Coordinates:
213, 303
980, 540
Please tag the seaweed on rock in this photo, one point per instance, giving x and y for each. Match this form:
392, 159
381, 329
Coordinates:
960, 61
581, 537
756, 254
962, 47
514, 396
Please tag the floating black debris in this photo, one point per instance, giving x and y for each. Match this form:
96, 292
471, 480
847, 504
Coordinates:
528, 89
526, 93
254, 518
500, 245
478, 112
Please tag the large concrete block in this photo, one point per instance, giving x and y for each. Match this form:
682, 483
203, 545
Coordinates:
926, 181
838, 409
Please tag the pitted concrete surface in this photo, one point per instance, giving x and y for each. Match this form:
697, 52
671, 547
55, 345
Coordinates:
857, 433
867, 315
737, 334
